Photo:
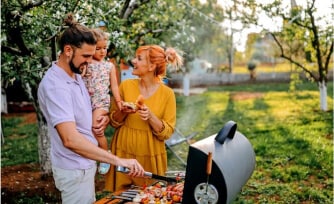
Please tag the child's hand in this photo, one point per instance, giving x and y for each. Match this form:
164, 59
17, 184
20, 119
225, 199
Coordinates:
119, 104
83, 71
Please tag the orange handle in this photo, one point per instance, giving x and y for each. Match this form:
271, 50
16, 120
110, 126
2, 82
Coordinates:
209, 164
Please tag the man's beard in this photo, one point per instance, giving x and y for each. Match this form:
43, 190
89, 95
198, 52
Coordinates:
74, 68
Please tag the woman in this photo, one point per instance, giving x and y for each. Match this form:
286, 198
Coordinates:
141, 132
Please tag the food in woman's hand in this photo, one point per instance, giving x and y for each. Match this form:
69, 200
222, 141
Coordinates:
140, 101
137, 105
130, 105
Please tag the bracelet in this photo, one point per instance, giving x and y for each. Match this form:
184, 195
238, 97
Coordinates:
113, 121
162, 128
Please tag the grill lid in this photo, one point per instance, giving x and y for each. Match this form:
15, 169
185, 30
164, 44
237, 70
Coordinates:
233, 162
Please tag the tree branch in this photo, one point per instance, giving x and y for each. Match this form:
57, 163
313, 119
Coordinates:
31, 5
130, 7
316, 45
329, 55
11, 50
290, 59
125, 7
14, 35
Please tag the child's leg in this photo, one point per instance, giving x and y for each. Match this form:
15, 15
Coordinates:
101, 139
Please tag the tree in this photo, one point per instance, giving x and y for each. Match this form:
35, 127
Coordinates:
24, 56
237, 15
29, 32
305, 41
202, 22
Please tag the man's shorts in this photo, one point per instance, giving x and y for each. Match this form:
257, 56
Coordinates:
76, 186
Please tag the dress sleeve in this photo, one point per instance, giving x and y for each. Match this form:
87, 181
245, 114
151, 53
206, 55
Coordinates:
113, 122
168, 118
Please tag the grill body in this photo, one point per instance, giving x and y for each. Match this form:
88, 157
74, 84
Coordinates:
233, 162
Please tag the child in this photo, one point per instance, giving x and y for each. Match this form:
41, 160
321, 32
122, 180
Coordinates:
99, 78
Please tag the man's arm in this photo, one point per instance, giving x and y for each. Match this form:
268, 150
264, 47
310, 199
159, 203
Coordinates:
76, 142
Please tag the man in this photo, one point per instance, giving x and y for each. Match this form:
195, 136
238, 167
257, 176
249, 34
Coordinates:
65, 103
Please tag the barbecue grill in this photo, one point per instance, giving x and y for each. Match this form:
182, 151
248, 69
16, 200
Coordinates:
217, 168
233, 162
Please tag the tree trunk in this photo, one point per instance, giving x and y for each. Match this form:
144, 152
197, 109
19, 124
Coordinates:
44, 148
323, 95
44, 144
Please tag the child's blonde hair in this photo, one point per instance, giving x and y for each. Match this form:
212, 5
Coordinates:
100, 34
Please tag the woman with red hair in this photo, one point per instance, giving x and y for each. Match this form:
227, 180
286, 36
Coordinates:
141, 130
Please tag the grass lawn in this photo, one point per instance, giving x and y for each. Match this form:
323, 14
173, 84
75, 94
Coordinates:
291, 137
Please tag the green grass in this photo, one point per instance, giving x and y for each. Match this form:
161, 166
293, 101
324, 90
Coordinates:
20, 142
291, 137
265, 68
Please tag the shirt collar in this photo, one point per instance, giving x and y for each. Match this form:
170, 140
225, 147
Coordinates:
63, 74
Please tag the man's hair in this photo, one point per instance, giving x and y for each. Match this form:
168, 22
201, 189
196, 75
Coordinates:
75, 34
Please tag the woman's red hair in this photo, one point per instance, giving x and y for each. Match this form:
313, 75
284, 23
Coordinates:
161, 57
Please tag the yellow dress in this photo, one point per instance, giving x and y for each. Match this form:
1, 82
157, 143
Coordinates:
134, 138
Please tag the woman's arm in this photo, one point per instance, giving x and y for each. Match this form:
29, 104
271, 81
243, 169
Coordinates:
162, 127
118, 116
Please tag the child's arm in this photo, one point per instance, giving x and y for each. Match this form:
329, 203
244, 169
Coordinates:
83, 71
114, 87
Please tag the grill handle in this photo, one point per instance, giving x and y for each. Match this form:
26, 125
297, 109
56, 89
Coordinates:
209, 164
227, 131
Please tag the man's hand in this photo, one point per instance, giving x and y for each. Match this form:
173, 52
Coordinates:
136, 170
103, 122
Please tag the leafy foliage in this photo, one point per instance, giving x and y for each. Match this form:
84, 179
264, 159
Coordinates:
131, 23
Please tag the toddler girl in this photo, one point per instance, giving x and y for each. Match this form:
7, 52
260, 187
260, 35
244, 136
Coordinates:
100, 78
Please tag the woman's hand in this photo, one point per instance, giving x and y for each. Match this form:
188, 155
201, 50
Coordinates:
144, 113
155, 123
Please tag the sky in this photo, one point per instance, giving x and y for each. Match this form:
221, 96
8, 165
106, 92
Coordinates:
240, 37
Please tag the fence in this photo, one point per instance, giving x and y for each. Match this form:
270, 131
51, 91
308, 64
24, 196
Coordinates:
213, 79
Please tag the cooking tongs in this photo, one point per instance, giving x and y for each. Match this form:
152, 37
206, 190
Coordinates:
148, 174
